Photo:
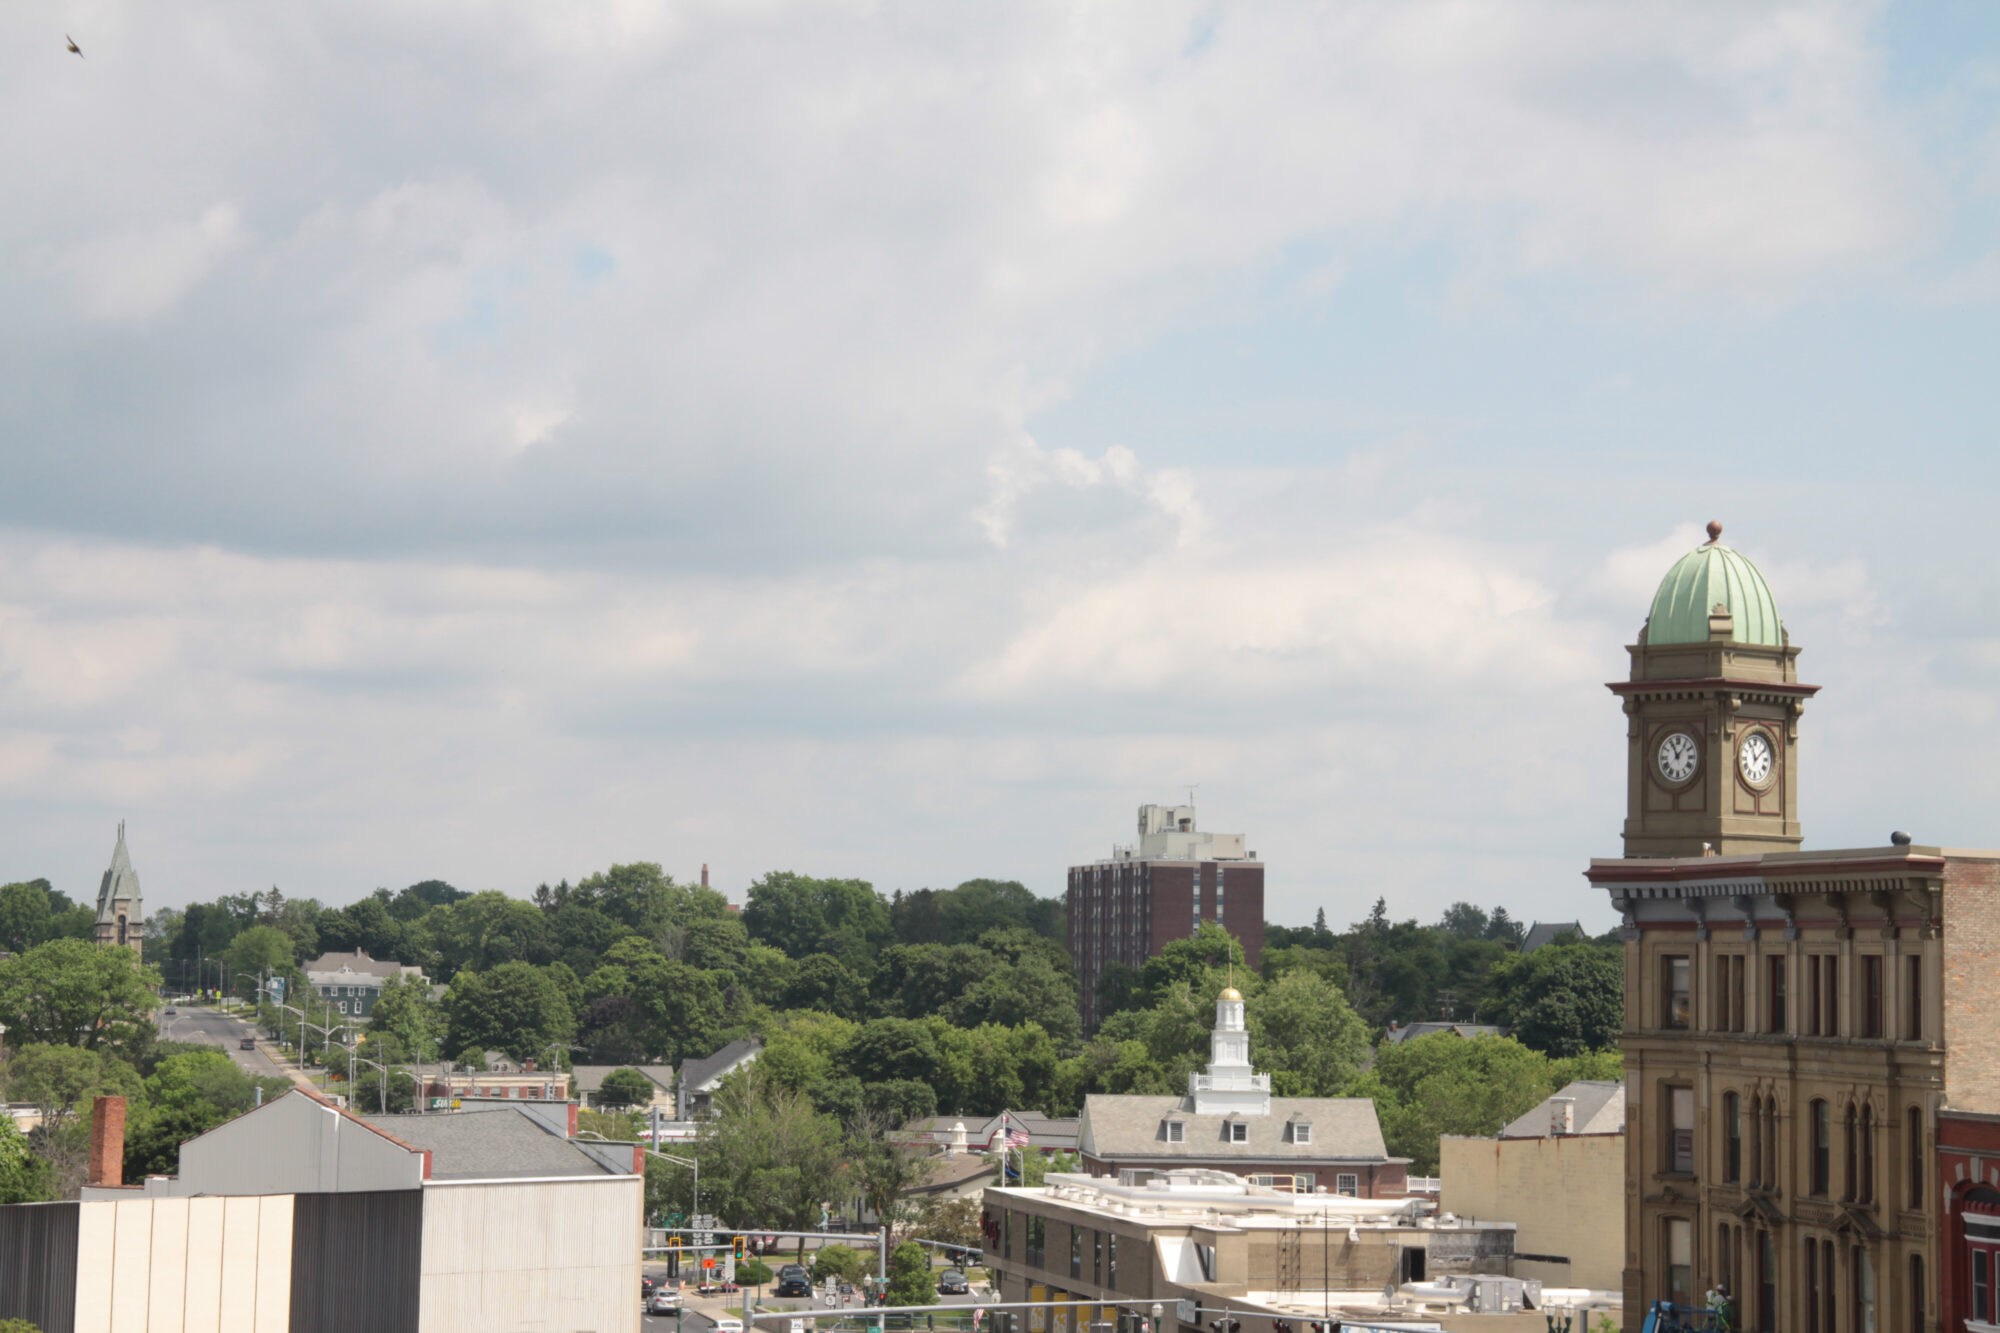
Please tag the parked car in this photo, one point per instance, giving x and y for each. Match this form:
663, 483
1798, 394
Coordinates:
247, 1044
170, 1013
728, 1326
951, 1282
665, 1301
794, 1280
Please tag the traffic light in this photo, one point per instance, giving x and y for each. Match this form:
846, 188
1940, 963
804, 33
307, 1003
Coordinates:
1225, 1325
741, 1246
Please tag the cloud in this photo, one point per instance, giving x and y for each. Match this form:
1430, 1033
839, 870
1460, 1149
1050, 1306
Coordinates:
135, 276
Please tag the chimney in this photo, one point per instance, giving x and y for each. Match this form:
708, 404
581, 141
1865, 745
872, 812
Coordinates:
1562, 1115
107, 1141
704, 874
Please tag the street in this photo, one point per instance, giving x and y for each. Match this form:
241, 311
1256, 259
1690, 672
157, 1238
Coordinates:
702, 1311
200, 1024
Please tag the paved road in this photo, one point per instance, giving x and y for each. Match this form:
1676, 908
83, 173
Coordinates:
216, 1029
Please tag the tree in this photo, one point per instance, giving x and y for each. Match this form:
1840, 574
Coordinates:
406, 1013
882, 1170
839, 1262
1562, 999
1447, 1084
910, 1280
626, 1087
262, 949
24, 1176
1465, 921
366, 1093
514, 1007
61, 1083
70, 993
949, 1222
767, 1154
1307, 1035
802, 915
32, 913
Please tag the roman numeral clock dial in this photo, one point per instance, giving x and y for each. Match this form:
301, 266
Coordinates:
1755, 758
1678, 756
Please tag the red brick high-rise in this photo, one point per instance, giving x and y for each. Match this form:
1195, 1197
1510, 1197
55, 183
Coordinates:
1128, 908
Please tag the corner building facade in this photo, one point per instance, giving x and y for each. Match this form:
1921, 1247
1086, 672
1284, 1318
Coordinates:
1795, 1021
1159, 889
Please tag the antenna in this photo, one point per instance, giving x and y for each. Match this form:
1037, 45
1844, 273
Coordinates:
1192, 786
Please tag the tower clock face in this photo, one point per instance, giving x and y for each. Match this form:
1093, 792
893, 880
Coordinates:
1678, 755
1755, 758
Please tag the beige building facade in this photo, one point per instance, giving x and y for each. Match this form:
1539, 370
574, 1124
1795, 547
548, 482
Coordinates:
1794, 1020
1558, 1174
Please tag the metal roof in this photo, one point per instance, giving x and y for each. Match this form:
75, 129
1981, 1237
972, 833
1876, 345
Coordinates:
1707, 577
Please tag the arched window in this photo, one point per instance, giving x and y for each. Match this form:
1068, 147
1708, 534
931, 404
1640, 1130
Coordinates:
1851, 1174
1865, 1189
1819, 1125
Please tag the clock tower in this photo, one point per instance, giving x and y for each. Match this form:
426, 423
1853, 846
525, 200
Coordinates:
1712, 715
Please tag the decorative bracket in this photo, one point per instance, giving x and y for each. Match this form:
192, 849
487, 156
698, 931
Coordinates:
1747, 906
1698, 909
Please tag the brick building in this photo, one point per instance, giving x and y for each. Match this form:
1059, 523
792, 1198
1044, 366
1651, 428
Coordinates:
1795, 1021
1129, 907
1968, 1157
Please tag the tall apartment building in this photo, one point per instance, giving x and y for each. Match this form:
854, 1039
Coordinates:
1159, 889
1794, 1020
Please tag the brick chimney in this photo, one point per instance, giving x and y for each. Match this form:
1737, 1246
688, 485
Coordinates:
107, 1141
704, 874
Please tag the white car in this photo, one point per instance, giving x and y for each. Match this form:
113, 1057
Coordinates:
665, 1301
729, 1326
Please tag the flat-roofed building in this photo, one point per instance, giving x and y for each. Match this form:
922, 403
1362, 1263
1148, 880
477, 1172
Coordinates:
1128, 907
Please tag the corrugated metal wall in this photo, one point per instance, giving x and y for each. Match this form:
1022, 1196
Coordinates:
38, 1265
357, 1261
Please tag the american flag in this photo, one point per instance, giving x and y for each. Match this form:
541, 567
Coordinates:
1016, 1136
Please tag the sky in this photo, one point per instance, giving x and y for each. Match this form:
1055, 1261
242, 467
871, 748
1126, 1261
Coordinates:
492, 441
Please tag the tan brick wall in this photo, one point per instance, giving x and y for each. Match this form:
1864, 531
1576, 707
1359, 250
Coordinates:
1972, 984
1565, 1195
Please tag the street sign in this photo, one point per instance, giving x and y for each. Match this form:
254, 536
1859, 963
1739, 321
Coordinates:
1186, 1311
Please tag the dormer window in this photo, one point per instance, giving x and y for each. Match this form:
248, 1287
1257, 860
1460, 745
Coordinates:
1302, 1131
1176, 1131
1238, 1131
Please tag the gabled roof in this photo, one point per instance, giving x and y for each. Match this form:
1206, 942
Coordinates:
699, 1074
589, 1078
485, 1145
359, 961
1599, 1109
949, 1173
1548, 932
1344, 1129
1409, 1030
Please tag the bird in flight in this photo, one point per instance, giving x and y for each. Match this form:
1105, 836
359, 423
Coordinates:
75, 50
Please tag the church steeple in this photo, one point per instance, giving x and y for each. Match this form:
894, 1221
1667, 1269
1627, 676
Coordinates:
121, 913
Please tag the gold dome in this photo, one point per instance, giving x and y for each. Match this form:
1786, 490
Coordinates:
1233, 994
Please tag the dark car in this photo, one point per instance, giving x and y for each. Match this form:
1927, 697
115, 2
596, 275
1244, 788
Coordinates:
951, 1282
247, 1044
794, 1280
170, 1013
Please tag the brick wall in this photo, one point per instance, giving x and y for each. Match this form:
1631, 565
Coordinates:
1972, 984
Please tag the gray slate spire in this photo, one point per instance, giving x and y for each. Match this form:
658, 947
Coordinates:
118, 902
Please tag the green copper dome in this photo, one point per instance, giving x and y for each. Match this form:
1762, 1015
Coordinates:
1704, 578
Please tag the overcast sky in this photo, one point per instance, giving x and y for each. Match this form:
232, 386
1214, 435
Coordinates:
491, 441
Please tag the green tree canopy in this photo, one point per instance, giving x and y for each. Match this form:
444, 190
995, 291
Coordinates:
71, 993
626, 1087
1563, 999
514, 1007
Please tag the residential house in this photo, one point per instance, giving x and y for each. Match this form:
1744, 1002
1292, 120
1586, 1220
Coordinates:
700, 1078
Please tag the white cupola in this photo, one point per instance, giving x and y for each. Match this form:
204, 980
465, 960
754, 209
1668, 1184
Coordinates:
1230, 1085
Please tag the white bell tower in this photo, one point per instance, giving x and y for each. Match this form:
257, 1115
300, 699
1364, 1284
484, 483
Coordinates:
1230, 1083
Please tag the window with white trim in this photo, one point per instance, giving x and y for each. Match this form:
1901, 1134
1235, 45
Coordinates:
1302, 1131
1239, 1131
1176, 1131
1348, 1184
